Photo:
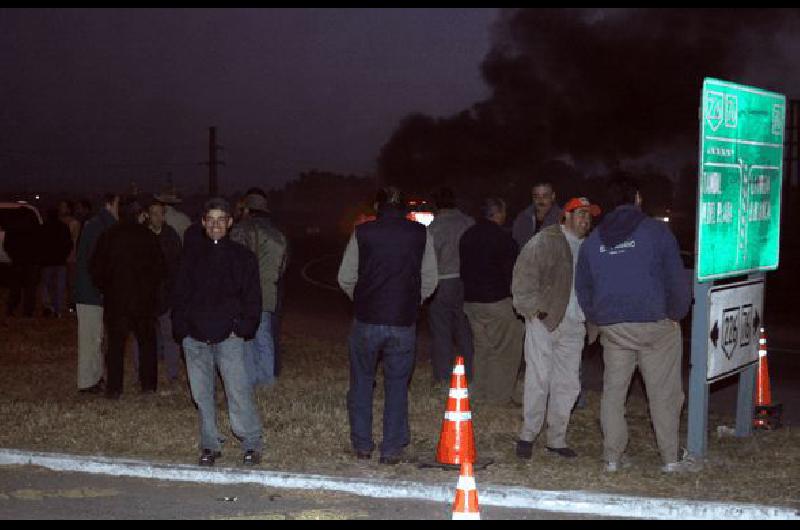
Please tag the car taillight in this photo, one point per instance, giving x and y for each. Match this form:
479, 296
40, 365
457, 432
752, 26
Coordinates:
421, 217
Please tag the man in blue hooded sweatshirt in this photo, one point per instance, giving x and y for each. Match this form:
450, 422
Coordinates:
630, 281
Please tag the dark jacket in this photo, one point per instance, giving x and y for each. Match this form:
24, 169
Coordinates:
630, 270
170, 243
390, 251
55, 243
217, 291
269, 245
23, 240
487, 253
85, 291
128, 268
525, 224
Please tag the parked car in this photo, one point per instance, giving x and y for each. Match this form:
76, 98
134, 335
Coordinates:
12, 214
420, 211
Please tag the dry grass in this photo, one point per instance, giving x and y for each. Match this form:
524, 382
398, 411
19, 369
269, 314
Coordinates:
307, 429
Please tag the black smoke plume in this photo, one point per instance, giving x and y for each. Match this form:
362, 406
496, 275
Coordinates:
591, 86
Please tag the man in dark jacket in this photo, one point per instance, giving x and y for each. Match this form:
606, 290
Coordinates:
448, 323
487, 253
256, 232
89, 300
542, 213
170, 243
128, 268
630, 281
56, 246
388, 268
216, 307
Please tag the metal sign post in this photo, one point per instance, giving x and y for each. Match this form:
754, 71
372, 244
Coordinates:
738, 233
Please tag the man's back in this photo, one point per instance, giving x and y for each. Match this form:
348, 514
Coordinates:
390, 251
170, 244
269, 245
447, 228
85, 290
128, 266
629, 270
487, 254
177, 220
55, 243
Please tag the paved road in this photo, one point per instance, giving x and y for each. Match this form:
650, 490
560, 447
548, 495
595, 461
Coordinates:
30, 492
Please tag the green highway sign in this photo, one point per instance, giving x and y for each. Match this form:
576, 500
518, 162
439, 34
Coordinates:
739, 182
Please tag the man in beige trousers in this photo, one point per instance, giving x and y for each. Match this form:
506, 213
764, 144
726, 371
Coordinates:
89, 300
631, 282
544, 294
486, 254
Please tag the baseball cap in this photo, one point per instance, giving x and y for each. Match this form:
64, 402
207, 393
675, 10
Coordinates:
582, 202
256, 202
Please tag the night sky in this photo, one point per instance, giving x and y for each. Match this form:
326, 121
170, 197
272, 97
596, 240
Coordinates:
94, 98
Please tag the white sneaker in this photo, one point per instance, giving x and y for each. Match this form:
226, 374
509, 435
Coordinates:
614, 466
682, 466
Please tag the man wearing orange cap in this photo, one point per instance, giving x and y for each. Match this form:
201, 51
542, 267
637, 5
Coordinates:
543, 289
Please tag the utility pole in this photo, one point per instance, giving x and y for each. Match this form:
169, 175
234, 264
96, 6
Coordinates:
213, 186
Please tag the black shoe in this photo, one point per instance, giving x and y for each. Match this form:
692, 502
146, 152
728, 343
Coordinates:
524, 449
393, 460
251, 458
566, 452
390, 460
363, 455
208, 457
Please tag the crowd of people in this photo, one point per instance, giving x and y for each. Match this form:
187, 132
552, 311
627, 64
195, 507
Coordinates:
539, 292
526, 299
141, 268
44, 255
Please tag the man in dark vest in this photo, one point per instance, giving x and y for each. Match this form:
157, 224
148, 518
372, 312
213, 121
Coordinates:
388, 268
127, 266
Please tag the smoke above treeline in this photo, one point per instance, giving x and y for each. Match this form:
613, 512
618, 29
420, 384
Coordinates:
593, 86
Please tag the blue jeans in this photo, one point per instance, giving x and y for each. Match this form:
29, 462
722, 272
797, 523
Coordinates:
259, 353
54, 281
228, 355
166, 347
366, 343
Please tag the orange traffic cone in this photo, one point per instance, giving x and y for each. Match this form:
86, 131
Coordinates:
457, 441
466, 504
767, 415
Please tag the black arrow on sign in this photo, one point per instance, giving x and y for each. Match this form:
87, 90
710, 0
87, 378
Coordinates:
715, 333
756, 323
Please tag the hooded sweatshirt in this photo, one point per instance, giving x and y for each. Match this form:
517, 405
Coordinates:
630, 270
